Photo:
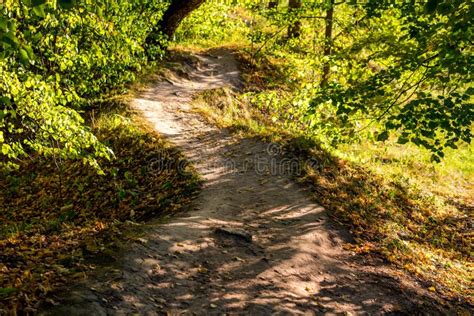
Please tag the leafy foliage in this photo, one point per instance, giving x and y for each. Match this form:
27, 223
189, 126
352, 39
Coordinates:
55, 56
215, 22
394, 67
400, 73
425, 91
396, 70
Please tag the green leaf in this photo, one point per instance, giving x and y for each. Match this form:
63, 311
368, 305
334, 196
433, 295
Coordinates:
3, 24
9, 39
24, 57
39, 11
30, 52
5, 149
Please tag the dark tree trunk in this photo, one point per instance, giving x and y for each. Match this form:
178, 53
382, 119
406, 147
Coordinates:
294, 30
273, 4
176, 12
327, 42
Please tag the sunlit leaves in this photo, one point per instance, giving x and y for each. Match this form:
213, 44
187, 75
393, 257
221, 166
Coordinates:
24, 56
55, 59
423, 95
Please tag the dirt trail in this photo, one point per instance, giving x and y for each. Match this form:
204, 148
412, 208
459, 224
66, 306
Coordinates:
294, 262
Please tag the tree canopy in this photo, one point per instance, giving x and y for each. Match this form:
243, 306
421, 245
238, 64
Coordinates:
425, 91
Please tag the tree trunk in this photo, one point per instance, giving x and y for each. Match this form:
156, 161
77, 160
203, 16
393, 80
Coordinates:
273, 4
176, 12
294, 30
327, 43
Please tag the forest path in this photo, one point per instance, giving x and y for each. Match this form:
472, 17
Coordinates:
252, 242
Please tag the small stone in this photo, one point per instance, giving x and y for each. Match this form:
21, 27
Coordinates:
239, 233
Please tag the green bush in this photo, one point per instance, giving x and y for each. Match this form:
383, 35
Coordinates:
55, 57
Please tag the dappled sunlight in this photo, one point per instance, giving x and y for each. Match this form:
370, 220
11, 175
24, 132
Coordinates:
294, 261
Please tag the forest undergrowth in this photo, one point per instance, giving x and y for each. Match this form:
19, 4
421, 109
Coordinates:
59, 219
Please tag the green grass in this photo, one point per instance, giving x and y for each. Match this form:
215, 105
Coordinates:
451, 179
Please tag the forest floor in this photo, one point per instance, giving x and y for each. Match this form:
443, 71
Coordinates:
253, 241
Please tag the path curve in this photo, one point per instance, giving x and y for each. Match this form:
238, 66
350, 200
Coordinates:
252, 242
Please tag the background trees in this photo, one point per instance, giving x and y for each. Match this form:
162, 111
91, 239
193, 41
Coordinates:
294, 29
395, 200
424, 90
394, 70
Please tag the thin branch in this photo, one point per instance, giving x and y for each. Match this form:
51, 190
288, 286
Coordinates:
267, 40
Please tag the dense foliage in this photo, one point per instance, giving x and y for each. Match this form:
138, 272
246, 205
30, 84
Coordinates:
55, 57
378, 66
424, 88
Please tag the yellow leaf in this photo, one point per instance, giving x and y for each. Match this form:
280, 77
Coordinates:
202, 270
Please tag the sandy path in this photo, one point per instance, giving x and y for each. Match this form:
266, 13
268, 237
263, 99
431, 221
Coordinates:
294, 263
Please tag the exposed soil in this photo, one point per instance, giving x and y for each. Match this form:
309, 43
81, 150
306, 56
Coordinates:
253, 242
